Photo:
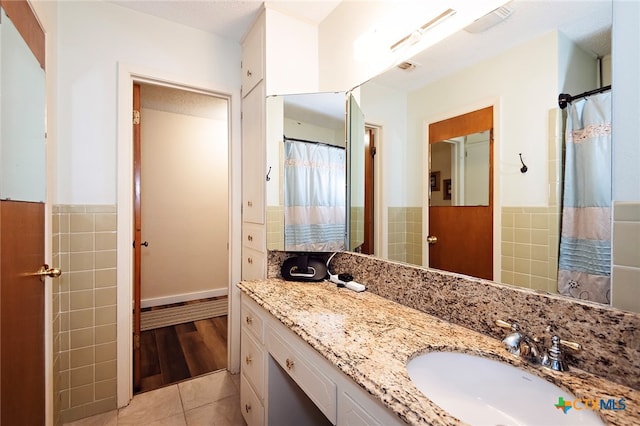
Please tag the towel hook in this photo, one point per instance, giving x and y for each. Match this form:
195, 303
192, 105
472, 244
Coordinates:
524, 167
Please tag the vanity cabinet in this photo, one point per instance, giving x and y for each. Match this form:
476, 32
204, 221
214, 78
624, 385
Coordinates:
271, 351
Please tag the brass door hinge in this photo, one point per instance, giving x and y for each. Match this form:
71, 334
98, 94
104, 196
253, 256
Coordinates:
136, 117
136, 341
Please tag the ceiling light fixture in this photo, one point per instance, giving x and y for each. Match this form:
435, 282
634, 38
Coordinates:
399, 34
489, 20
415, 36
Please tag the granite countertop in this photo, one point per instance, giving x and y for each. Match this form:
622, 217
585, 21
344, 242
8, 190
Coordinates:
371, 339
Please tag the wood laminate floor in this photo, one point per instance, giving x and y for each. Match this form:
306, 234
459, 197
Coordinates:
179, 352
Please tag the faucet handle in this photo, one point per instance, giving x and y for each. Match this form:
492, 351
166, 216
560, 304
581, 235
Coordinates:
569, 344
504, 324
566, 343
554, 358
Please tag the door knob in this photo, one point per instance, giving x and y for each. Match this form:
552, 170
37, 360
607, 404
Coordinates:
432, 239
45, 271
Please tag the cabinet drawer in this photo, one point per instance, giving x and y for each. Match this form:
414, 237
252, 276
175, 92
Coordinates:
254, 264
250, 405
299, 365
252, 321
253, 236
252, 362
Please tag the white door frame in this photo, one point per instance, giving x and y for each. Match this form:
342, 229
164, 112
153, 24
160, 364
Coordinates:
127, 74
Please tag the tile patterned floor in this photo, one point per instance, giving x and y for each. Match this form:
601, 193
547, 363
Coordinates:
210, 400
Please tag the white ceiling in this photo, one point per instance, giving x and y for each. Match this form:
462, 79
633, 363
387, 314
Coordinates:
588, 22
227, 18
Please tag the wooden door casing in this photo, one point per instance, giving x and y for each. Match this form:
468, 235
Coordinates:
137, 239
464, 233
22, 363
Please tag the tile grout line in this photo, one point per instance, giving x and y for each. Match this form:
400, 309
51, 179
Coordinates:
184, 414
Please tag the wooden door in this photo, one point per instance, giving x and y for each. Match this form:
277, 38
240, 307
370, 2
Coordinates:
22, 363
369, 202
22, 217
464, 234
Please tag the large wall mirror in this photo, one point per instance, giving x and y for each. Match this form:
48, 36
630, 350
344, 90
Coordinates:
520, 75
517, 68
314, 172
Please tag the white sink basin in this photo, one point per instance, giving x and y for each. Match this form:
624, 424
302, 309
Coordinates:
481, 391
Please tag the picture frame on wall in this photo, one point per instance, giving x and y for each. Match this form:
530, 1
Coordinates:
434, 181
447, 189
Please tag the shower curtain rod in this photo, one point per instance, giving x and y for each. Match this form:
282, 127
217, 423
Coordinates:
313, 142
564, 98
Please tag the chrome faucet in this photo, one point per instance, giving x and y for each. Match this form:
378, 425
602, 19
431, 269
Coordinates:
520, 344
526, 347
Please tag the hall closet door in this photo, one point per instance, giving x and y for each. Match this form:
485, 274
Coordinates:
22, 217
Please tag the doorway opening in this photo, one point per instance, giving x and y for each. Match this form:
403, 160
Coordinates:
181, 234
460, 188
370, 140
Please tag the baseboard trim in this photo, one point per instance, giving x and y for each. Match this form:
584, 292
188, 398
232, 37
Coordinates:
185, 297
164, 317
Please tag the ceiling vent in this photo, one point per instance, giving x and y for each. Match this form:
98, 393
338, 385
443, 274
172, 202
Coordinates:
406, 66
489, 20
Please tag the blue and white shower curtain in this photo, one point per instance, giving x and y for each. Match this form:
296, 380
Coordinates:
314, 196
584, 269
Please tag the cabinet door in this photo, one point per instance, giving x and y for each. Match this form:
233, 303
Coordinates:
253, 57
253, 156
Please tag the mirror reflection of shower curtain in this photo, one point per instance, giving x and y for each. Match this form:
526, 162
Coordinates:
314, 196
584, 269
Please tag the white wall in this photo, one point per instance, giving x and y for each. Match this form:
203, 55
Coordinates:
338, 68
387, 108
291, 54
578, 70
93, 38
525, 81
184, 168
626, 100
296, 129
